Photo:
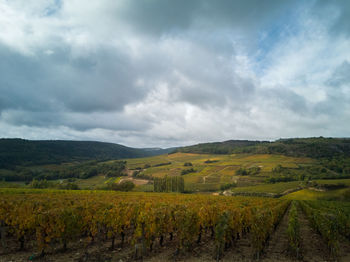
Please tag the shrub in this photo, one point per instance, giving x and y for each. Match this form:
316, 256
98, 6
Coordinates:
41, 184
69, 186
227, 186
187, 171
241, 172
162, 164
210, 161
250, 171
122, 186
135, 173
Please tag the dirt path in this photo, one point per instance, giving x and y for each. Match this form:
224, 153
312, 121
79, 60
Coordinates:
344, 250
277, 247
136, 181
242, 251
313, 247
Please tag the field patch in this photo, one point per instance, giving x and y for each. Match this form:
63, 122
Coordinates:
309, 194
212, 171
277, 188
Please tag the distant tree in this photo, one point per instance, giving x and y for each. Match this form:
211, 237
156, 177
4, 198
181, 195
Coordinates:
227, 186
169, 184
277, 169
210, 161
252, 171
122, 186
69, 186
187, 171
241, 172
41, 184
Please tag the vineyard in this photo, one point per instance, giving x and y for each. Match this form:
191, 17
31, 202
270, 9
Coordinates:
331, 220
44, 225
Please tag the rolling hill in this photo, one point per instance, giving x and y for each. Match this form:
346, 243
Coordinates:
317, 147
15, 152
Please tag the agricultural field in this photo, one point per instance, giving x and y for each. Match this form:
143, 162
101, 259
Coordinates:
203, 172
61, 225
277, 188
212, 171
311, 194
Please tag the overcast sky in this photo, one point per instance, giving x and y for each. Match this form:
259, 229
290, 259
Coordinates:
148, 73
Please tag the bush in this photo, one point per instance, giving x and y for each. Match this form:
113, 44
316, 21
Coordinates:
241, 172
144, 176
278, 169
41, 184
210, 161
188, 164
187, 171
346, 195
227, 186
250, 171
162, 164
254, 170
122, 186
69, 186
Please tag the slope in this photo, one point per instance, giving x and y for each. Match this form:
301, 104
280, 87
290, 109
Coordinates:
17, 152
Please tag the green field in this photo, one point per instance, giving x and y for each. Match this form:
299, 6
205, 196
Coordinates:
277, 188
333, 181
309, 194
209, 176
222, 170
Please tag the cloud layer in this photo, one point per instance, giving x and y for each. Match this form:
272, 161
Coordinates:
169, 73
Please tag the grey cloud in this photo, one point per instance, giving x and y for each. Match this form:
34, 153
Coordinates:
199, 74
337, 98
76, 121
340, 76
220, 91
342, 24
31, 119
100, 82
158, 16
286, 100
19, 81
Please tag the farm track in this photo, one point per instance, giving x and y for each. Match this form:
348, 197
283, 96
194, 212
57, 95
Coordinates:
277, 247
242, 251
344, 250
313, 247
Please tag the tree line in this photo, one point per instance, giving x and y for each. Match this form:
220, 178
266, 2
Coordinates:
169, 184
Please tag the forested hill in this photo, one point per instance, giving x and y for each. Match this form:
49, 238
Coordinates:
226, 147
28, 152
319, 147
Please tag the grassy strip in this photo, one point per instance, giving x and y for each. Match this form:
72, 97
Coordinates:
264, 223
338, 212
277, 188
293, 231
325, 225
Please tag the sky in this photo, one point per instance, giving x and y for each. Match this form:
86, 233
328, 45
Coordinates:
162, 73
